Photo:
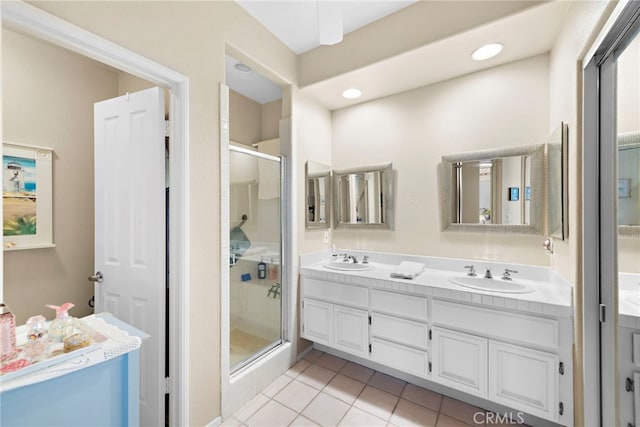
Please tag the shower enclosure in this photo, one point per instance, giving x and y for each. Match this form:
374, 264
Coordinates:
255, 254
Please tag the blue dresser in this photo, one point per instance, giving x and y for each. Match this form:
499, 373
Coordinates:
100, 393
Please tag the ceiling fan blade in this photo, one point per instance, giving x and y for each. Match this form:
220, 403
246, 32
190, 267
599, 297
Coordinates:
329, 22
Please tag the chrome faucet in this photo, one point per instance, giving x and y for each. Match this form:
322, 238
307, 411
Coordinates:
487, 274
350, 258
472, 270
507, 274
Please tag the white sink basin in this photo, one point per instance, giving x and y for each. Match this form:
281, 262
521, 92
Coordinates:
348, 266
634, 299
493, 285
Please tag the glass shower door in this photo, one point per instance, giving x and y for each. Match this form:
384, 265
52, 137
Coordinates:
255, 277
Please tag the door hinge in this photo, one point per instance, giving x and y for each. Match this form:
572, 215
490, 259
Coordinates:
628, 384
302, 303
429, 366
369, 319
602, 309
561, 408
165, 385
167, 128
430, 334
369, 348
561, 368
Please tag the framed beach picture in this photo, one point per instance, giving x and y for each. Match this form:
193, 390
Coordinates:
27, 196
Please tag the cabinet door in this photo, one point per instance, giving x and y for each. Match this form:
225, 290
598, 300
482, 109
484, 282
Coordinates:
317, 321
523, 378
460, 361
351, 330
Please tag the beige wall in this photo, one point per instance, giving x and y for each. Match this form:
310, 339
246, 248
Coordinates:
48, 97
245, 119
582, 23
251, 122
313, 138
500, 107
190, 38
271, 113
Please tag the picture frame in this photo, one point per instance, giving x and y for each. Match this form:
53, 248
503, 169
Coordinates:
624, 188
514, 194
27, 196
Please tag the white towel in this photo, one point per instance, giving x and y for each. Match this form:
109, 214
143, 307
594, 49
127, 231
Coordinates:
408, 270
268, 179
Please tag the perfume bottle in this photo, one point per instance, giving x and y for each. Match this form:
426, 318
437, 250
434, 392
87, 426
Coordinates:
62, 326
7, 333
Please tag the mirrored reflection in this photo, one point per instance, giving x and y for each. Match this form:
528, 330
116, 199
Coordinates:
492, 191
364, 197
318, 191
627, 195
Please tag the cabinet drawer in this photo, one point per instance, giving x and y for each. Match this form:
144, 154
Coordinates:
502, 325
399, 330
334, 292
402, 305
403, 358
636, 349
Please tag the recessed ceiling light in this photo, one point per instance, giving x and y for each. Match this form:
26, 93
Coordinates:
487, 51
352, 93
244, 68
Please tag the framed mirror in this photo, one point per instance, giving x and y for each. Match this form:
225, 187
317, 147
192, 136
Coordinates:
318, 195
628, 189
364, 197
557, 210
514, 190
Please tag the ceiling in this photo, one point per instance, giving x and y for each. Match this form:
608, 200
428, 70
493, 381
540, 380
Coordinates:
524, 34
295, 23
250, 84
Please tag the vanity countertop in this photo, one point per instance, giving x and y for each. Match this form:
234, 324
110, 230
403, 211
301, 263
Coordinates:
629, 300
549, 297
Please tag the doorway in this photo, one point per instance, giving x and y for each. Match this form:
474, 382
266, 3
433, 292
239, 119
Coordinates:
26, 18
611, 228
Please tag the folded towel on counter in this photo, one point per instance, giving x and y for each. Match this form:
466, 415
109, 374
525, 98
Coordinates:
408, 270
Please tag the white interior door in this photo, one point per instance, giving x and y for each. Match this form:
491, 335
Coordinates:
130, 229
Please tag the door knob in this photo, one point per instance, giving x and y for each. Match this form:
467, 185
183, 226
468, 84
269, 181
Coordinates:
96, 277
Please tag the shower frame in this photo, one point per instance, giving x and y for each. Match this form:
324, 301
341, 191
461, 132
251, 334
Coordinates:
284, 288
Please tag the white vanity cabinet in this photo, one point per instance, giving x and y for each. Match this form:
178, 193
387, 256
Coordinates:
509, 358
336, 315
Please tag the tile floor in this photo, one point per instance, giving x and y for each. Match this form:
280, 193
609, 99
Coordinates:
324, 390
